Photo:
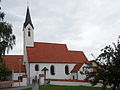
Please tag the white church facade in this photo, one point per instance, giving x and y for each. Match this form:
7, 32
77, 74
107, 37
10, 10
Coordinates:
48, 60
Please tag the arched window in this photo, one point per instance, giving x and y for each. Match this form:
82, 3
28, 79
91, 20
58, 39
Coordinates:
29, 33
20, 78
66, 70
52, 70
73, 77
36, 67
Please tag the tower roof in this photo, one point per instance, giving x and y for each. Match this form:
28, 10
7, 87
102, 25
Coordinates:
28, 18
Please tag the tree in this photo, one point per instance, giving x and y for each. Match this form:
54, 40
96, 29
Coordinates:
7, 41
108, 67
5, 73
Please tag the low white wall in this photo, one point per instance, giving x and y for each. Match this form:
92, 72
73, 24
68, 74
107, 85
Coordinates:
21, 83
72, 83
41, 81
68, 83
16, 75
16, 84
24, 82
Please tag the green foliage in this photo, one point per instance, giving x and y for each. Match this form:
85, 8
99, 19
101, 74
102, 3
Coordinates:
4, 73
7, 41
108, 67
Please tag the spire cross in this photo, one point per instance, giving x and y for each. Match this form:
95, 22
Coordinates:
27, 2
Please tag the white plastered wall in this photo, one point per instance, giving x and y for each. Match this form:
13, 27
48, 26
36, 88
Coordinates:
16, 75
59, 70
28, 40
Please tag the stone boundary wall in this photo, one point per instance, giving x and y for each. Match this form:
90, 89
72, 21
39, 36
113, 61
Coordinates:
6, 84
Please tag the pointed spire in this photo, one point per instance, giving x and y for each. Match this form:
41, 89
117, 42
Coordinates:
28, 18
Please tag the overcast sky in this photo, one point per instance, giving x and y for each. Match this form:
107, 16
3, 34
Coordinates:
84, 25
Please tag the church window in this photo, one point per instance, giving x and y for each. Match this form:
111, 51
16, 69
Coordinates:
36, 67
29, 33
66, 70
52, 70
20, 78
73, 77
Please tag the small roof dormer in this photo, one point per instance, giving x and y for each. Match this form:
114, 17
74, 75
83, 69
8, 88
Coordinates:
28, 18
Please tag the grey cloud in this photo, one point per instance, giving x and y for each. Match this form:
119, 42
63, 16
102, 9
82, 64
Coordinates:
86, 25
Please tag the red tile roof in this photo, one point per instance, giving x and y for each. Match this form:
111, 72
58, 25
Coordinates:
54, 53
11, 61
77, 67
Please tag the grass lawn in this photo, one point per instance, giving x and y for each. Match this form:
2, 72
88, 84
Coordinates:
53, 87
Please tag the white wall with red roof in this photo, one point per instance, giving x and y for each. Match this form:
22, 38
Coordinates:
59, 70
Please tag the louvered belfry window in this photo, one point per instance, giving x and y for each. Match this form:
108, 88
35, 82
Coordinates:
29, 34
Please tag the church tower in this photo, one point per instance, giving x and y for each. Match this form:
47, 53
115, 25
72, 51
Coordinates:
28, 30
28, 39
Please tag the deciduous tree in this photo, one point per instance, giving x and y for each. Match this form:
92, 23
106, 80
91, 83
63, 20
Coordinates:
7, 41
108, 67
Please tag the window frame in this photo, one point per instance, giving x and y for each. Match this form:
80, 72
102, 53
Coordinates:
36, 67
52, 70
29, 33
67, 70
20, 78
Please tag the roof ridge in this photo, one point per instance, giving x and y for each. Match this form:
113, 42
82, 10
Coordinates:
74, 51
12, 55
50, 43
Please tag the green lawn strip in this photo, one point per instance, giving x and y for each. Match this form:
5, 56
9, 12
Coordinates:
55, 87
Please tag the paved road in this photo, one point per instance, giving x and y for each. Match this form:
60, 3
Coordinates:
17, 88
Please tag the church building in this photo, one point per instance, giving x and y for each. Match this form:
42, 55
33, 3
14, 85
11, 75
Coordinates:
42, 59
